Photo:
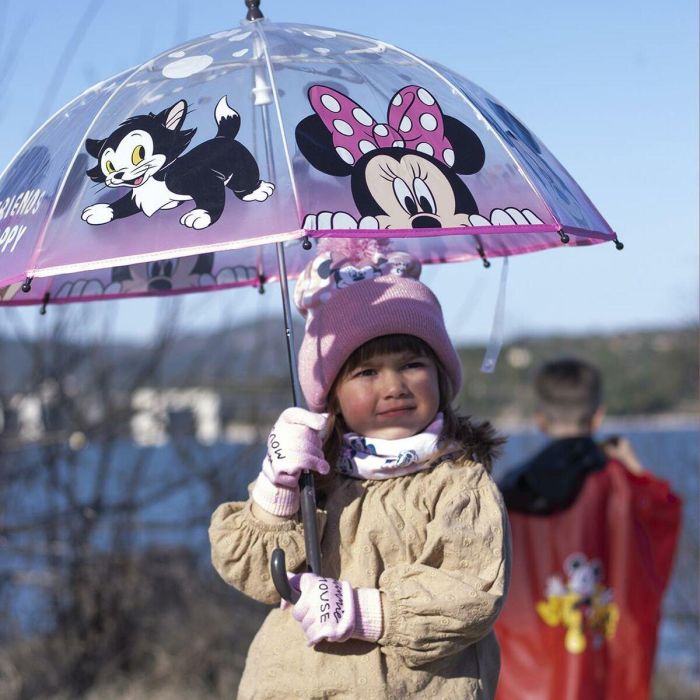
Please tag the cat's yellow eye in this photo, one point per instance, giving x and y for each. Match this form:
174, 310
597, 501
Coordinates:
138, 154
109, 167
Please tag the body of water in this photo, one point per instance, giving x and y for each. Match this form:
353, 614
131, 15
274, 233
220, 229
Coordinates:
202, 477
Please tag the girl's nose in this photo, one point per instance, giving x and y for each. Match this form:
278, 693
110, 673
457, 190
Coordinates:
393, 384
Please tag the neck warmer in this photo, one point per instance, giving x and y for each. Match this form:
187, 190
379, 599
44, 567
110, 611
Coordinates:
374, 458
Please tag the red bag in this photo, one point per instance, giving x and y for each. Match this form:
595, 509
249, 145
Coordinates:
582, 613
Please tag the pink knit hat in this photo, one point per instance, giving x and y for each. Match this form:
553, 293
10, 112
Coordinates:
349, 299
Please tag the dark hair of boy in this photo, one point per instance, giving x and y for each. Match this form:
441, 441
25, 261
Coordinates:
569, 392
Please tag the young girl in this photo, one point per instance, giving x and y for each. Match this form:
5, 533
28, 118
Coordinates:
414, 543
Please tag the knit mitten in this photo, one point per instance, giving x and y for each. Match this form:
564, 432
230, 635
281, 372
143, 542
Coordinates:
294, 444
334, 611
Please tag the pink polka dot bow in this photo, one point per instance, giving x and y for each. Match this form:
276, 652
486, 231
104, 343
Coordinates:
414, 121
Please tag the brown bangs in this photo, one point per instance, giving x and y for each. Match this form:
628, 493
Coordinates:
386, 345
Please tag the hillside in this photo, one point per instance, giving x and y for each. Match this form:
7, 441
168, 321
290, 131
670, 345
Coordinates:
645, 373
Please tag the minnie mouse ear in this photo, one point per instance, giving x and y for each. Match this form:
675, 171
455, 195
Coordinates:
316, 145
468, 149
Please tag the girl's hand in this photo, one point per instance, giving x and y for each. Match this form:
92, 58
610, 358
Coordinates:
334, 611
294, 444
325, 608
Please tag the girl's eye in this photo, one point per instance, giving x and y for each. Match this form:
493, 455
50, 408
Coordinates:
138, 154
109, 167
405, 196
424, 196
416, 364
364, 373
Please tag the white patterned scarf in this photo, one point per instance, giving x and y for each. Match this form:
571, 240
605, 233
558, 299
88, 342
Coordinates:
374, 458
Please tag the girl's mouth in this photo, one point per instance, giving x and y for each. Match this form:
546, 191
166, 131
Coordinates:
396, 412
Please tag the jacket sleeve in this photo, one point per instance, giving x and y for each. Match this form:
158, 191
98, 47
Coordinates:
450, 597
241, 547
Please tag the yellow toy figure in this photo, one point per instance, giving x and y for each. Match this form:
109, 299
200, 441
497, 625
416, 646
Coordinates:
581, 604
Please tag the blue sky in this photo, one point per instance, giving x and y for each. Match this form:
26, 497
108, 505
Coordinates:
611, 88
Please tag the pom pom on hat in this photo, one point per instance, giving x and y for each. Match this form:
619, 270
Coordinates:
358, 291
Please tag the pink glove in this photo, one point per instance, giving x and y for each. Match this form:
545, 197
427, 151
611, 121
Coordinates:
333, 610
295, 443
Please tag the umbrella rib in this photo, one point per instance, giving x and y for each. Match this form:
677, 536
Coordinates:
471, 105
268, 64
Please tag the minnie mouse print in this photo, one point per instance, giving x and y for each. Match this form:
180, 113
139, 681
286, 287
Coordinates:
405, 173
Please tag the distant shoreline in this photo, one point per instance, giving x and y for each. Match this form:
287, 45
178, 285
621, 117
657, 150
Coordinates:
661, 421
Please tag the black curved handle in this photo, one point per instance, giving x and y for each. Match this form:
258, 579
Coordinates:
278, 564
278, 567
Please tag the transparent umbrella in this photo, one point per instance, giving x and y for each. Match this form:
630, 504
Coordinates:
177, 175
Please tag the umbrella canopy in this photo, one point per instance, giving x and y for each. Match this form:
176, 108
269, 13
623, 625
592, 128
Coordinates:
172, 177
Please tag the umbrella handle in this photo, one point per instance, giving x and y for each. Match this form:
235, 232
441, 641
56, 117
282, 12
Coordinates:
278, 565
278, 568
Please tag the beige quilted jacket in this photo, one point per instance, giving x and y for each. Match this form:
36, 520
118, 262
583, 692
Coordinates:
435, 543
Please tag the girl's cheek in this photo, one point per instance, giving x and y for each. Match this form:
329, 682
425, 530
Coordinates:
356, 402
427, 380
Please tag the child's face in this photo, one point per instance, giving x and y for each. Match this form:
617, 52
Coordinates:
390, 396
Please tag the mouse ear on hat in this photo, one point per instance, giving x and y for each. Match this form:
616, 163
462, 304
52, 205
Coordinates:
401, 264
313, 283
343, 265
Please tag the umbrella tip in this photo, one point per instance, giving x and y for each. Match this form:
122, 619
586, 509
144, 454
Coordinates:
306, 243
253, 10
27, 286
44, 303
564, 237
618, 244
486, 262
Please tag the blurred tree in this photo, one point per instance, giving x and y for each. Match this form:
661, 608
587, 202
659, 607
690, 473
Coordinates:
103, 545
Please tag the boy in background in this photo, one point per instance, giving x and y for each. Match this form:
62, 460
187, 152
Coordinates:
594, 536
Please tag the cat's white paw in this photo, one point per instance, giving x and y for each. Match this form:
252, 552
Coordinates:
265, 189
98, 214
197, 218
